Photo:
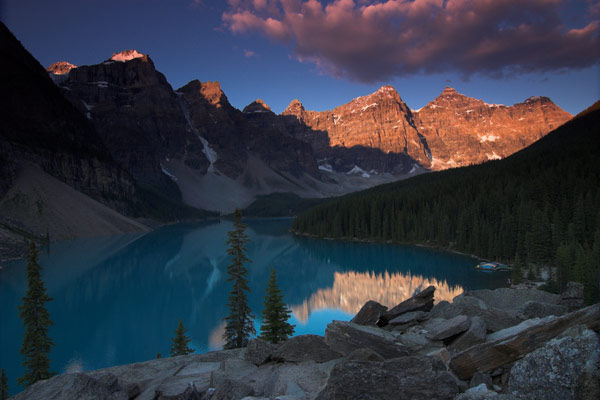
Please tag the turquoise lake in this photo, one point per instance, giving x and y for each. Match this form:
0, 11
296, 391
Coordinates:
118, 299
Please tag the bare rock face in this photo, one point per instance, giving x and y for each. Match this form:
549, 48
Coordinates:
60, 68
369, 313
378, 126
137, 113
461, 130
451, 131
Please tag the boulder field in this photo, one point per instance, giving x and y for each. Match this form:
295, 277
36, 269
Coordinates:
486, 344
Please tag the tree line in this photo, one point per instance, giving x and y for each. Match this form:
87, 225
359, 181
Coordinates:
539, 207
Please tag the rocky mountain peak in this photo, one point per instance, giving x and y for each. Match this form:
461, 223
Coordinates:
60, 68
294, 108
538, 99
127, 55
257, 106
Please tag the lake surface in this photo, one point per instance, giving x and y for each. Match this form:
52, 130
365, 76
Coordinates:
118, 299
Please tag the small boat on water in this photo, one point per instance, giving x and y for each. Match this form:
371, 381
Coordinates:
492, 266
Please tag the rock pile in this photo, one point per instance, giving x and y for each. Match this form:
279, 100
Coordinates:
502, 344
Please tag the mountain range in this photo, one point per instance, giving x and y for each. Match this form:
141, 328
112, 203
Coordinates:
120, 134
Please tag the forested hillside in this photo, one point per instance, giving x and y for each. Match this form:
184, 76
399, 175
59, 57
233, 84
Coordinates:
539, 206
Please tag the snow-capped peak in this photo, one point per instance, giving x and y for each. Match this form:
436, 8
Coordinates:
126, 55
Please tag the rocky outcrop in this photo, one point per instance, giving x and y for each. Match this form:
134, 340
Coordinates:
510, 344
567, 367
549, 358
369, 313
422, 301
461, 130
137, 114
399, 378
38, 125
451, 131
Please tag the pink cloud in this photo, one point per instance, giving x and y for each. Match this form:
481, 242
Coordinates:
249, 53
376, 40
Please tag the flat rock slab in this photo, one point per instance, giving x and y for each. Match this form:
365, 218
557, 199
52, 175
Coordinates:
495, 319
509, 345
422, 301
408, 318
565, 368
73, 386
510, 300
369, 313
305, 348
414, 378
304, 380
476, 334
536, 309
449, 328
345, 337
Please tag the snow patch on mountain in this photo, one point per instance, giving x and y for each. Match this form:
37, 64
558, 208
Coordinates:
358, 171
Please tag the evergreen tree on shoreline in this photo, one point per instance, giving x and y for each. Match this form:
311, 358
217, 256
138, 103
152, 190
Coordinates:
240, 321
180, 342
36, 319
3, 385
275, 327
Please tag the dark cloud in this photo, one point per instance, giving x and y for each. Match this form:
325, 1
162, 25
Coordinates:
377, 40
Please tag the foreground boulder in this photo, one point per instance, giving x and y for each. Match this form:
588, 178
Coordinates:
75, 386
509, 345
422, 301
345, 337
566, 368
412, 378
369, 313
304, 348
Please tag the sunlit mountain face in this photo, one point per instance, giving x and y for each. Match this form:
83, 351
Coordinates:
351, 290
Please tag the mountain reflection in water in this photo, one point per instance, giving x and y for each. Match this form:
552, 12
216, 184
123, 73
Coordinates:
351, 290
118, 299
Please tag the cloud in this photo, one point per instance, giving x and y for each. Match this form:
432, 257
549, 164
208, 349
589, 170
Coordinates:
376, 40
249, 53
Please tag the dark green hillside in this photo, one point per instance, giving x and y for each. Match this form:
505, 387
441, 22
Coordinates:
542, 204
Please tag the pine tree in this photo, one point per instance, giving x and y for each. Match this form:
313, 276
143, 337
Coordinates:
240, 321
275, 327
36, 319
180, 342
3, 386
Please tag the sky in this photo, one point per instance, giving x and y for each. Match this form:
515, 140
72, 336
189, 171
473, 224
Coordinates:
326, 53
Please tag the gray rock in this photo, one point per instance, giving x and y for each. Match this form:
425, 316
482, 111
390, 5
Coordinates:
231, 389
449, 328
369, 313
536, 309
258, 351
345, 337
479, 378
417, 342
495, 319
364, 354
481, 392
408, 318
409, 377
74, 386
304, 380
233, 369
511, 300
572, 296
565, 368
422, 301
173, 388
474, 335
511, 344
305, 348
